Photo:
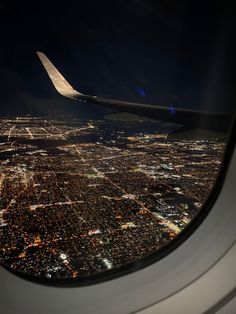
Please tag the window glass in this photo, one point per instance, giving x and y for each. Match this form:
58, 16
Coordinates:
106, 161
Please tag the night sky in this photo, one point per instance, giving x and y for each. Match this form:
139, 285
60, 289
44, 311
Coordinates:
173, 53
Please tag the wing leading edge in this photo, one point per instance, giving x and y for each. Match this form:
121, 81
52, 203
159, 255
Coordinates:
187, 117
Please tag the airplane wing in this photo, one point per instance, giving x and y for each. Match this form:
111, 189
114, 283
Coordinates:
188, 117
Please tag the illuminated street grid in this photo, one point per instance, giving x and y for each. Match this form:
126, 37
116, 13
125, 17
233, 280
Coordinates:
80, 197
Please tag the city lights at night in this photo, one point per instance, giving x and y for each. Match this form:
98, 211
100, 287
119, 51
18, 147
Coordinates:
80, 197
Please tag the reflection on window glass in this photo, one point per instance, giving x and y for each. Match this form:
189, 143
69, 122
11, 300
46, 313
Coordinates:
88, 183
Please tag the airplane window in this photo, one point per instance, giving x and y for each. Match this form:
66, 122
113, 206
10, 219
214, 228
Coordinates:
114, 118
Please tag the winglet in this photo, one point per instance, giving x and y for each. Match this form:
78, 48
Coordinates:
60, 83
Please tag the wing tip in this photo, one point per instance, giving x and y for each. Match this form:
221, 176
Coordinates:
58, 80
40, 53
